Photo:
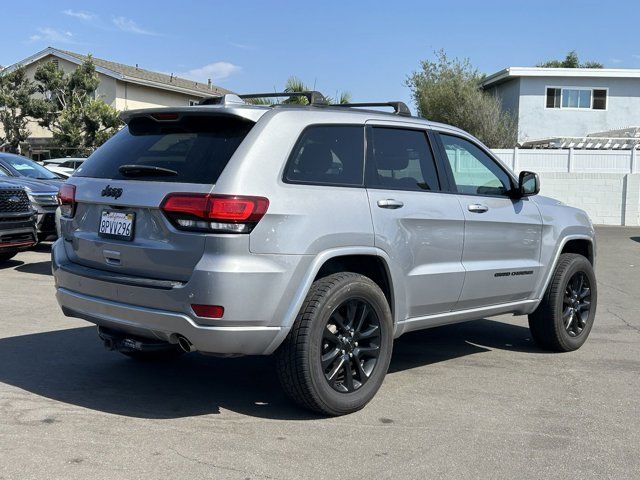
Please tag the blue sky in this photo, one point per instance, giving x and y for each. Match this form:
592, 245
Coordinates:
366, 48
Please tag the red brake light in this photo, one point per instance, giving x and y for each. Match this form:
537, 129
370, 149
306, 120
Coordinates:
208, 311
227, 213
165, 116
67, 200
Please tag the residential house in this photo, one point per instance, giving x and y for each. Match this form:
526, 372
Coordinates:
567, 102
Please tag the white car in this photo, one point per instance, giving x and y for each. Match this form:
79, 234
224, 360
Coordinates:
63, 166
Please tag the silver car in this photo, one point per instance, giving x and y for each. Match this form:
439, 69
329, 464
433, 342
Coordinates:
319, 233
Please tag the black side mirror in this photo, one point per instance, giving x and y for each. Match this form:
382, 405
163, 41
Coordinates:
528, 184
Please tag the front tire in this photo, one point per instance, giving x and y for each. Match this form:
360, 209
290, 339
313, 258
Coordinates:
338, 351
564, 318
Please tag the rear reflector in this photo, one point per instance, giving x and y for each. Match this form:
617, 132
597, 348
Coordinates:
214, 213
67, 200
208, 311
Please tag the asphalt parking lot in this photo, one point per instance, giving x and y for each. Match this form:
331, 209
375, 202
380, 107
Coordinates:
474, 400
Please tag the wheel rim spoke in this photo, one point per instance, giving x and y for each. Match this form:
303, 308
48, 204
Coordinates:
369, 333
329, 358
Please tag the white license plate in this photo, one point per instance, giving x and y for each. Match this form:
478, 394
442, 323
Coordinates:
118, 225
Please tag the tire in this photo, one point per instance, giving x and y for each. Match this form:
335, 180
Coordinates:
558, 324
154, 355
358, 304
5, 256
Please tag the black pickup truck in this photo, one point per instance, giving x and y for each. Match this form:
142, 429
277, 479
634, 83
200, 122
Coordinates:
17, 221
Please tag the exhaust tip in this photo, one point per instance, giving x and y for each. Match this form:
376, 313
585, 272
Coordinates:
185, 344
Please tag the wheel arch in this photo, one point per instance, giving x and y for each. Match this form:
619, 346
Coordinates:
575, 243
353, 257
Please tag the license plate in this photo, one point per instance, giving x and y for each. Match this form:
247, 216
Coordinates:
117, 225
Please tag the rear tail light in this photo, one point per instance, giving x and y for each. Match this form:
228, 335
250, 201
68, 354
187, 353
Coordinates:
67, 200
214, 213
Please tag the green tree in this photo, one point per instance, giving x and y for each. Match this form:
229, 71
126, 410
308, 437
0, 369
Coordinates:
450, 91
16, 106
570, 61
79, 121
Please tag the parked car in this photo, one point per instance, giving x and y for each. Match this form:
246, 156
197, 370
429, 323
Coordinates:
63, 166
319, 233
41, 185
17, 221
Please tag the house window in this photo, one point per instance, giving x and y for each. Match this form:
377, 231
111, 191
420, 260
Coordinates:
577, 98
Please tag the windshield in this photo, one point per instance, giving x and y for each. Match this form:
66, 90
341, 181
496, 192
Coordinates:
29, 168
194, 149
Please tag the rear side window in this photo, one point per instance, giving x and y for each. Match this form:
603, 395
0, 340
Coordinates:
197, 149
329, 155
401, 159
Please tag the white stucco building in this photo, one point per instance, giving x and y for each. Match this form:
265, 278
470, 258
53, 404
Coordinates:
567, 102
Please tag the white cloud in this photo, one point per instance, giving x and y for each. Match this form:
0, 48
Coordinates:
51, 35
616, 60
216, 71
127, 25
80, 14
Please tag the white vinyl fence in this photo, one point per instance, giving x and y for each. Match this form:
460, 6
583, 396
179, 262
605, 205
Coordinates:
605, 183
570, 160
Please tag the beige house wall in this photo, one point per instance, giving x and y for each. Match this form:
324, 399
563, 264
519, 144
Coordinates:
131, 96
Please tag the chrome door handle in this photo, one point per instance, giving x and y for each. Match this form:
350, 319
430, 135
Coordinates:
478, 208
390, 203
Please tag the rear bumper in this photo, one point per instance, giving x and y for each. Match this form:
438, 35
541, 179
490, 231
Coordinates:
166, 326
256, 291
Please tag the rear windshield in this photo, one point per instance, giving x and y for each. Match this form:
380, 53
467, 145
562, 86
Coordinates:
193, 150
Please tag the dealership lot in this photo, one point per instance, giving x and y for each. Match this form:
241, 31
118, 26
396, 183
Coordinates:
474, 400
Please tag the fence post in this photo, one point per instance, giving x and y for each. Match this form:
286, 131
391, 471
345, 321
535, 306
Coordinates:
515, 159
634, 160
570, 160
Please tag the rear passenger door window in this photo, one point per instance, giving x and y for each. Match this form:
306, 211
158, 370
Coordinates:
328, 155
400, 159
474, 172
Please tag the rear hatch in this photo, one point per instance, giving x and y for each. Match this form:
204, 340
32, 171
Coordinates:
116, 223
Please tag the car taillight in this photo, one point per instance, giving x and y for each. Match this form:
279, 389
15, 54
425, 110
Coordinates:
214, 213
67, 200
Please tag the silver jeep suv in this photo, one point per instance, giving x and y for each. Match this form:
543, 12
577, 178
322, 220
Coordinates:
316, 232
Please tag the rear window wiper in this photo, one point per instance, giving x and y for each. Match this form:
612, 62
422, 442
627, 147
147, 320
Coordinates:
146, 171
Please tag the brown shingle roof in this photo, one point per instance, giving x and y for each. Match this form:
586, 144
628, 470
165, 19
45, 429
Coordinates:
149, 76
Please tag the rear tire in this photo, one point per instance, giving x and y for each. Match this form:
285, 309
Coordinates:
5, 256
338, 351
564, 318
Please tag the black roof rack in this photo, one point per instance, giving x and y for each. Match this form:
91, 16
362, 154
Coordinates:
313, 97
399, 108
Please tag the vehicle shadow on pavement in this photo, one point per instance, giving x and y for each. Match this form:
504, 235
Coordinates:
71, 366
635, 239
38, 268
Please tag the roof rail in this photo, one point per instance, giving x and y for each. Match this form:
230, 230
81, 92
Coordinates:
399, 108
313, 97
